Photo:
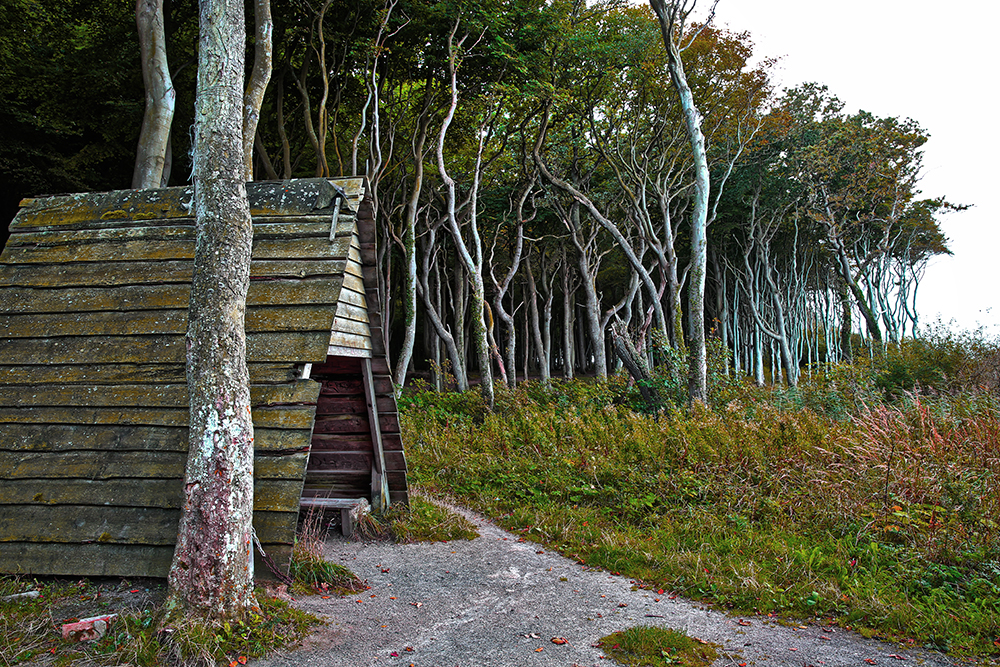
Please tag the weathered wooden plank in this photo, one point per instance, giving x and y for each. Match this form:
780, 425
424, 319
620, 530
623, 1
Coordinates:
122, 373
338, 366
266, 198
353, 268
341, 424
351, 313
155, 250
293, 417
269, 495
112, 464
342, 339
343, 442
24, 300
90, 560
395, 461
117, 525
341, 405
388, 422
383, 385
354, 283
354, 299
380, 366
113, 274
137, 322
107, 560
298, 346
18, 437
341, 387
385, 404
329, 462
392, 440
360, 488
145, 395
345, 326
344, 351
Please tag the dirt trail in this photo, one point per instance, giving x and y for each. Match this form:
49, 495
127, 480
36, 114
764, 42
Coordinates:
497, 601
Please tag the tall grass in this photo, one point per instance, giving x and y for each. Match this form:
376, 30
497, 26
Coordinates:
840, 500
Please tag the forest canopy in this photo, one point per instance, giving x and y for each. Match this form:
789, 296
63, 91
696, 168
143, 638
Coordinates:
530, 170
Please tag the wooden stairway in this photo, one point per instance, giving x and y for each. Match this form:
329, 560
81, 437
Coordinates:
356, 449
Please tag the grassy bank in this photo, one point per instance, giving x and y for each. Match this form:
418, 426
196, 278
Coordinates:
843, 500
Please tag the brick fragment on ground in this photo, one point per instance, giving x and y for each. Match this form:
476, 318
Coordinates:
87, 629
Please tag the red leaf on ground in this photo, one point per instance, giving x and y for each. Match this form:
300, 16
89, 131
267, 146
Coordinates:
559, 640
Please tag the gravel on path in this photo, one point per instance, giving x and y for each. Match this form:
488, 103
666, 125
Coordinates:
499, 601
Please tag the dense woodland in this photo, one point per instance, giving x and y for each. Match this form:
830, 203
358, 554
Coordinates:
531, 171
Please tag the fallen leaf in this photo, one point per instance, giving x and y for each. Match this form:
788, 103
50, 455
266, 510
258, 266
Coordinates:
539, 552
659, 592
870, 661
392, 598
135, 591
622, 604
242, 660
409, 648
233, 663
744, 623
394, 654
415, 604
326, 597
559, 640
792, 648
897, 656
825, 638
538, 650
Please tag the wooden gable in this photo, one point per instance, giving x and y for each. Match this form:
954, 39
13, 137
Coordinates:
93, 400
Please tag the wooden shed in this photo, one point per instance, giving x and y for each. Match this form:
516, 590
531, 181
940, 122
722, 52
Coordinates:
93, 400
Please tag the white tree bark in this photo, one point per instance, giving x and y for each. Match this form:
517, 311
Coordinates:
259, 78
672, 15
212, 575
151, 153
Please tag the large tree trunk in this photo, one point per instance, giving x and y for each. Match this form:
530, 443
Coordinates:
212, 574
151, 153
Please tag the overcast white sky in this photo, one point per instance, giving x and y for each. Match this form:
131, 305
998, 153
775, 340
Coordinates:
935, 62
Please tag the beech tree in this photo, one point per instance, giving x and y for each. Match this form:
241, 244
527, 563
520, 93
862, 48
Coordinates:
211, 576
152, 168
673, 16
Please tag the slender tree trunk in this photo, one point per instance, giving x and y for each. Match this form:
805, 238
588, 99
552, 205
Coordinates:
672, 15
568, 363
212, 573
410, 250
154, 138
259, 78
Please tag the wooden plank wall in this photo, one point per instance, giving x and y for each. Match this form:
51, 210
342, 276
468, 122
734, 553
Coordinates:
351, 335
385, 397
93, 423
